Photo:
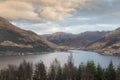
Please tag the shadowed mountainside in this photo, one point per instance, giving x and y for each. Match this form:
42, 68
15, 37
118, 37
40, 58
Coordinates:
15, 39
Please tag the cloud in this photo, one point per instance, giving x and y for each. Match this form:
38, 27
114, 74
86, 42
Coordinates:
35, 10
100, 7
17, 10
55, 13
59, 9
99, 12
65, 15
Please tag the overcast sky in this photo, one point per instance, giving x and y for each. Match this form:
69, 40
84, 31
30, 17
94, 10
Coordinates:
73, 16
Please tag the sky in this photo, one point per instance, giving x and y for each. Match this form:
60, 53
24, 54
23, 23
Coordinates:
72, 16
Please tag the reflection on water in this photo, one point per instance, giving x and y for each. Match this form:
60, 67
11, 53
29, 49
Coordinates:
79, 56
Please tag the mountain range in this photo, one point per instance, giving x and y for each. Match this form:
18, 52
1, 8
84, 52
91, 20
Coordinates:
74, 40
105, 42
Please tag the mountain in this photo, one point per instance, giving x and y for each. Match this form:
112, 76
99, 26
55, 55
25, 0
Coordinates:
83, 39
108, 44
74, 40
58, 37
12, 38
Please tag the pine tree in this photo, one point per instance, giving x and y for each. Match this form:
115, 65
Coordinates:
99, 73
79, 71
54, 69
110, 73
40, 72
65, 72
25, 71
9, 73
89, 71
72, 71
59, 74
3, 75
52, 73
118, 73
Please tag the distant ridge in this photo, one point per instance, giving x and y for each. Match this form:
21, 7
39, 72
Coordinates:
74, 40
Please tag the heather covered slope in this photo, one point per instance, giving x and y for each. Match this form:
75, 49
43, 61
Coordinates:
13, 38
108, 44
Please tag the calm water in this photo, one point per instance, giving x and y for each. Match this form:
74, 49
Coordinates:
79, 56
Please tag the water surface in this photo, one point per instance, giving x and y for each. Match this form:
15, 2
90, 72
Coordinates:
78, 55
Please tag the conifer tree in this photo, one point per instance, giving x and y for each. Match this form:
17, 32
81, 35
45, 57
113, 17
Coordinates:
110, 73
71, 68
25, 71
9, 73
59, 74
54, 69
99, 73
89, 71
40, 72
79, 71
118, 73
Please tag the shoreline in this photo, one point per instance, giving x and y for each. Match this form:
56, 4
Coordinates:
13, 53
102, 52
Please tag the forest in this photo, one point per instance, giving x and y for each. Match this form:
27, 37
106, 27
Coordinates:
56, 71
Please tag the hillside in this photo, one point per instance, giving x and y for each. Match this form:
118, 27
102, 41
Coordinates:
15, 39
108, 44
74, 40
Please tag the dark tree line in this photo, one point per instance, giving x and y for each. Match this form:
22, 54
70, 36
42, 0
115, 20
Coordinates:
26, 71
